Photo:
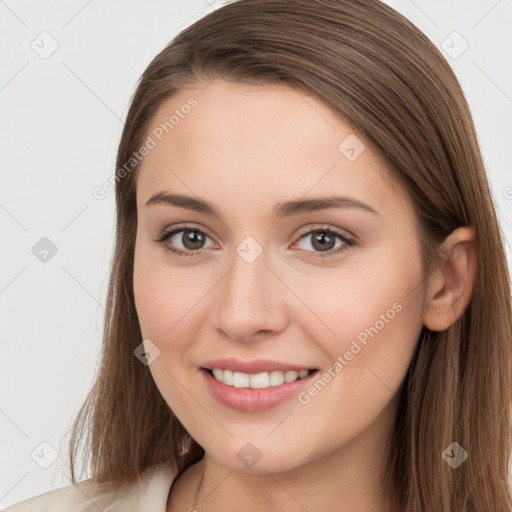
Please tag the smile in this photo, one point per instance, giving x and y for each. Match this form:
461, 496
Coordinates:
255, 392
257, 380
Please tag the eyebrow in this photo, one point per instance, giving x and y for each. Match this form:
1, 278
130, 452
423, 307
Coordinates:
281, 210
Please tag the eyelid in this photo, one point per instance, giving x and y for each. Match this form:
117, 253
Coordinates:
302, 231
182, 227
318, 227
348, 239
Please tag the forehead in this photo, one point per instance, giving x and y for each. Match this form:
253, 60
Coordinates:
257, 142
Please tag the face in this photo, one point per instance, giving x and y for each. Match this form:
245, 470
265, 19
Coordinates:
267, 276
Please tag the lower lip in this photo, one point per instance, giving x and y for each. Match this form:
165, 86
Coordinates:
254, 400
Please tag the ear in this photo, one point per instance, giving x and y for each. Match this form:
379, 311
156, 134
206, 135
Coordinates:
450, 286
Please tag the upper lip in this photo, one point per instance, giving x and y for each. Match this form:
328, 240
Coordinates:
254, 366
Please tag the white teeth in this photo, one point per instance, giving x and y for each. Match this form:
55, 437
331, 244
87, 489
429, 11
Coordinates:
228, 377
240, 380
291, 376
276, 378
257, 380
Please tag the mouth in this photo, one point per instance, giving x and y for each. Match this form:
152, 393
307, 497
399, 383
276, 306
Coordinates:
262, 380
256, 392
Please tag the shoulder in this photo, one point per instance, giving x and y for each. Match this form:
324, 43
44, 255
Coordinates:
149, 493
56, 500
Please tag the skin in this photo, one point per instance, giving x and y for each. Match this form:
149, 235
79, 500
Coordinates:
244, 149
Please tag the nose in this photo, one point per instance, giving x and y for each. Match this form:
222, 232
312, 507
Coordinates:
250, 300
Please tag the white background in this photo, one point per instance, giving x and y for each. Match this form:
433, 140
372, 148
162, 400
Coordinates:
61, 122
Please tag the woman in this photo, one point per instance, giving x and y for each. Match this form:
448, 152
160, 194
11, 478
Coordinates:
309, 306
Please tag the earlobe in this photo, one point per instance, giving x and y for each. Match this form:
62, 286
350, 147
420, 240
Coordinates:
450, 286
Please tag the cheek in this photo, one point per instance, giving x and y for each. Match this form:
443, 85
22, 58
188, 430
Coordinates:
164, 294
172, 306
368, 358
166, 314
366, 318
347, 302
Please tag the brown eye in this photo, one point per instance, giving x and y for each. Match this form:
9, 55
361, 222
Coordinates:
192, 239
184, 241
323, 242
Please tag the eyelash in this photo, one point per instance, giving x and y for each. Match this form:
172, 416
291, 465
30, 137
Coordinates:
348, 242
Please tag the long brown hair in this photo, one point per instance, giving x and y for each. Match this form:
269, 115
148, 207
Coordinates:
383, 75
